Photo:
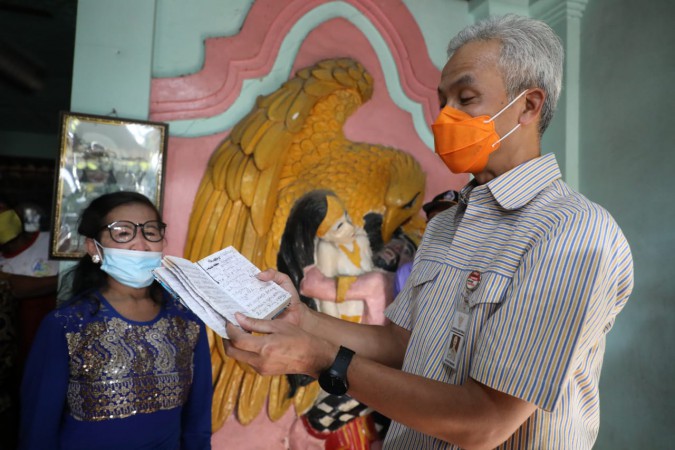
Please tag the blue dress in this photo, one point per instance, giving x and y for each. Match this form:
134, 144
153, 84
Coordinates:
95, 380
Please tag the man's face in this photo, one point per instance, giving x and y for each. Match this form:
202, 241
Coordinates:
472, 82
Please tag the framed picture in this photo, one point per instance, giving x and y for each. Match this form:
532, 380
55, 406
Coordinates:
99, 155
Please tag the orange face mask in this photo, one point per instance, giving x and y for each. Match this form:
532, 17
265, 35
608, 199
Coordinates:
463, 142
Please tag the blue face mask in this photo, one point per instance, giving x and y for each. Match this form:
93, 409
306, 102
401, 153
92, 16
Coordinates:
132, 268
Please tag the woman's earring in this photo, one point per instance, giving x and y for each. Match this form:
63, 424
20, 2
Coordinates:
96, 259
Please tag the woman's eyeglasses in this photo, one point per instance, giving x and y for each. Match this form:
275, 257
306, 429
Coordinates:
123, 231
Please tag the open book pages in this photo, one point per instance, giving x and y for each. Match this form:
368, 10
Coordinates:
216, 287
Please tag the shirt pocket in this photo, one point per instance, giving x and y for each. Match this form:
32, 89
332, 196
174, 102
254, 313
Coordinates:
423, 273
429, 293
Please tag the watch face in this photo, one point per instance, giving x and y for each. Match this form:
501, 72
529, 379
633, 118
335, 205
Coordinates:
332, 383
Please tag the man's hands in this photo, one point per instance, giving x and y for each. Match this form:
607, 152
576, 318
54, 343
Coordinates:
304, 341
277, 347
283, 345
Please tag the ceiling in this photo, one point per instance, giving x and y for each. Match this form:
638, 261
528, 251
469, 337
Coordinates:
36, 63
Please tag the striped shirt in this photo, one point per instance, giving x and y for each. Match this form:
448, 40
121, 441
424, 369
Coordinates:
529, 275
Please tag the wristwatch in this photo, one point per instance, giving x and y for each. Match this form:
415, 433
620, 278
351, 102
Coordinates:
334, 379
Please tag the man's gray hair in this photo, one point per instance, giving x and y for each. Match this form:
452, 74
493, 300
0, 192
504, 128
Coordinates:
531, 56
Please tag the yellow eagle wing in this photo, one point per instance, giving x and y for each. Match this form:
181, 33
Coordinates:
236, 203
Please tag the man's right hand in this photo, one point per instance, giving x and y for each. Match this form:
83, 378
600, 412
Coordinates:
277, 347
296, 313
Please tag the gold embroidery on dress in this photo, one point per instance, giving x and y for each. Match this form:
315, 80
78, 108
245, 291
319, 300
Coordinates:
119, 369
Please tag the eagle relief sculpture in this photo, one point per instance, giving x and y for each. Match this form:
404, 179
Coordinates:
260, 194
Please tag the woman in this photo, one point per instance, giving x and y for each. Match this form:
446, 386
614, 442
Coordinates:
121, 365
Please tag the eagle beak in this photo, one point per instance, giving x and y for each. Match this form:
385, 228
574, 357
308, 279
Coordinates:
389, 224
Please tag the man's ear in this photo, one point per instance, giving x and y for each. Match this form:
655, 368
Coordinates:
534, 101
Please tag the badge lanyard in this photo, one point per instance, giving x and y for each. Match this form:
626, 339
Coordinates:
460, 322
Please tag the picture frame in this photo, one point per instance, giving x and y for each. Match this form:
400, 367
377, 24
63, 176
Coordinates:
99, 155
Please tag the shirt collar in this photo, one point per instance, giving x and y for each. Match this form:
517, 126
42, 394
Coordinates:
517, 187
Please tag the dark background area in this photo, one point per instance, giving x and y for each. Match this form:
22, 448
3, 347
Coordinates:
37, 39
36, 63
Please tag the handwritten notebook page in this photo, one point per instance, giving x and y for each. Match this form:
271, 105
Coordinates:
235, 275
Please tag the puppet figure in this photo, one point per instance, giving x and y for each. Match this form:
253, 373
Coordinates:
319, 231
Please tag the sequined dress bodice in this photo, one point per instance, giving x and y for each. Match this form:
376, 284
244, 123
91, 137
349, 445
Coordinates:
119, 367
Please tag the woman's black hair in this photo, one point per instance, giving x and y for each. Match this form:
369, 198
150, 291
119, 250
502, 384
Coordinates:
296, 250
87, 276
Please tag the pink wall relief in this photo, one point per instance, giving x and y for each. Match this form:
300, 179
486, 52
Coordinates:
253, 52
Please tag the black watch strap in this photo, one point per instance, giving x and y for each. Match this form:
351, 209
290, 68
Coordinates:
342, 360
334, 379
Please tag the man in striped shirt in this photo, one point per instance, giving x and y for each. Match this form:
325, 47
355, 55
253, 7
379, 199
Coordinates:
498, 336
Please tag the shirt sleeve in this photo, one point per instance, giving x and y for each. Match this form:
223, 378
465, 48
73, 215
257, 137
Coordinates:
399, 310
197, 410
563, 300
44, 387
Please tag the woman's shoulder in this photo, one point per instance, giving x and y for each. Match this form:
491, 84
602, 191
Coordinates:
78, 308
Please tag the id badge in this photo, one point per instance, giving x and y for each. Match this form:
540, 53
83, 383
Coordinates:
458, 327
460, 322
454, 349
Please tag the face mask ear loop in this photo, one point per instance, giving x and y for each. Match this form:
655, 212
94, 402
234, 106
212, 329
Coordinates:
99, 245
505, 108
506, 135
